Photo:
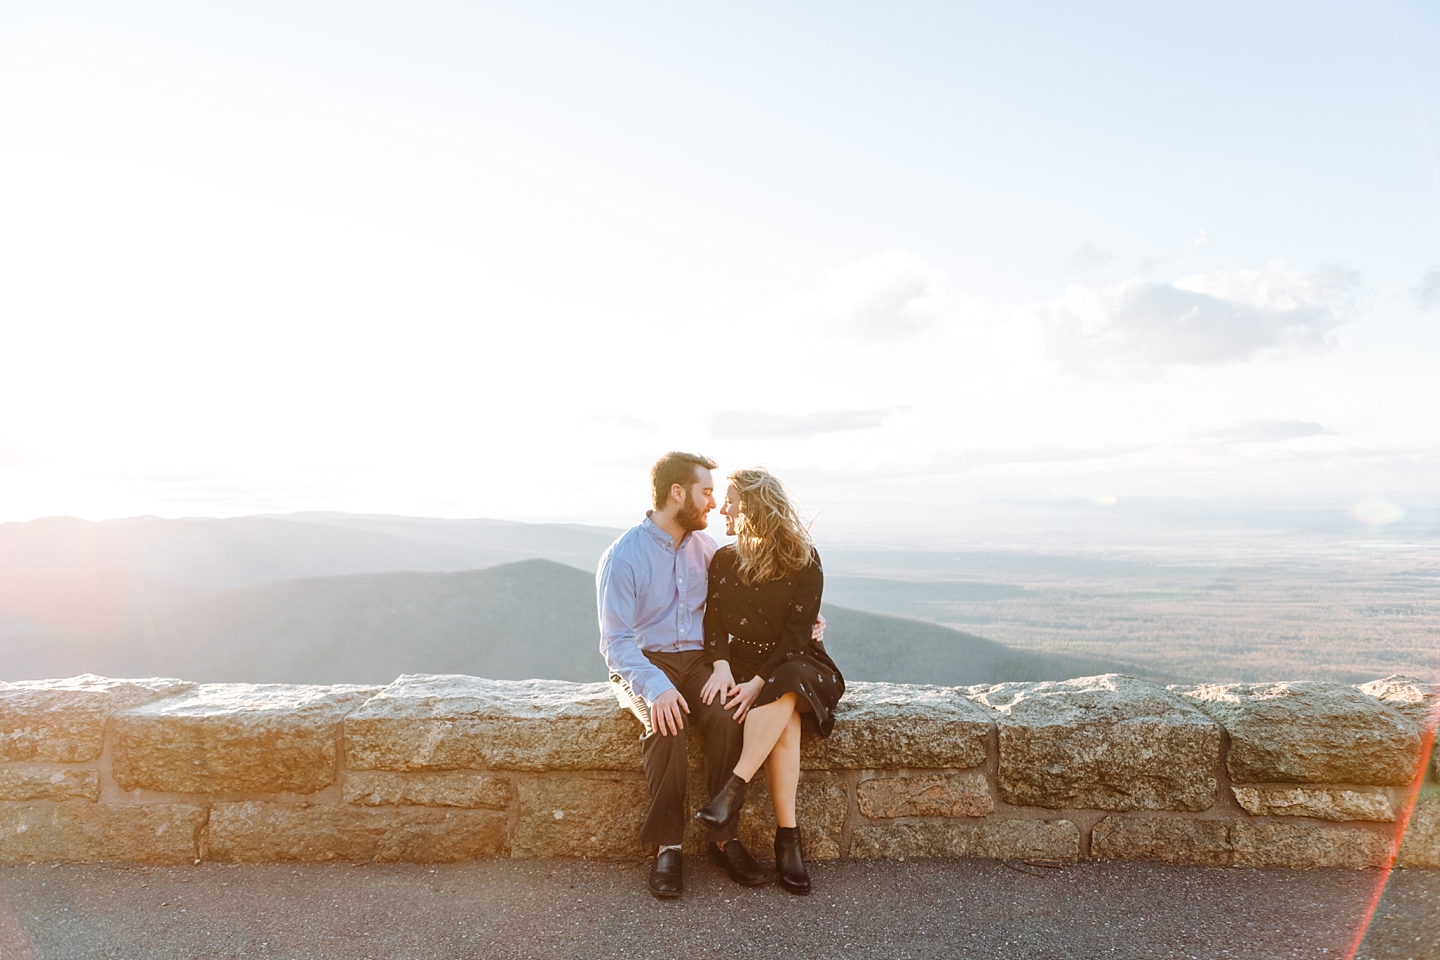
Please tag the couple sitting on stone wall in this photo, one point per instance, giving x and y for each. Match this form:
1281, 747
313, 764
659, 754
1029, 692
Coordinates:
731, 639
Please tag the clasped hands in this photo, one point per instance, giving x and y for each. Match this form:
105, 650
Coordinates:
669, 709
733, 696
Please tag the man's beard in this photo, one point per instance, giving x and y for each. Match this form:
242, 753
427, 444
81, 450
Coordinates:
692, 515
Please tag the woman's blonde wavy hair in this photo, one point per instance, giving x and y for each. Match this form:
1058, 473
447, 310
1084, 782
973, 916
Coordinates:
770, 538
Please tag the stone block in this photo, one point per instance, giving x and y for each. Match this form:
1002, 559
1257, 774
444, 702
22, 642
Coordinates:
880, 726
1421, 846
1309, 731
464, 789
928, 795
87, 832
1324, 803
1414, 699
821, 804
580, 817
63, 721
1203, 843
235, 738
1303, 846
1104, 743
260, 832
996, 839
445, 722
46, 782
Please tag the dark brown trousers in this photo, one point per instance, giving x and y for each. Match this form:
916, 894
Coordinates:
664, 757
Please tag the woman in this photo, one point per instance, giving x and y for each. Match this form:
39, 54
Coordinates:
764, 598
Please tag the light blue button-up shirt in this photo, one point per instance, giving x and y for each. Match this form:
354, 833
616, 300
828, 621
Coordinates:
651, 598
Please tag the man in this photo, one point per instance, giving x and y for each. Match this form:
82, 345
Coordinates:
652, 586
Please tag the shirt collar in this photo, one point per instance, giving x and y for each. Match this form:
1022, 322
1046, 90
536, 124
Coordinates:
661, 537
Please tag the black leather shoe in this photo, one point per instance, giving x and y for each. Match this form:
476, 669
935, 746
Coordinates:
737, 862
790, 862
667, 876
725, 806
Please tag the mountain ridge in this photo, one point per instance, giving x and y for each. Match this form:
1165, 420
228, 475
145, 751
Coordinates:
530, 619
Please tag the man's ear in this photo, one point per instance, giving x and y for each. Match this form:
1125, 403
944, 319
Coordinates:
677, 493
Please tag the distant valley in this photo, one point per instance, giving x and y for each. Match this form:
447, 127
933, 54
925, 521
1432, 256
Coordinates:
535, 618
348, 598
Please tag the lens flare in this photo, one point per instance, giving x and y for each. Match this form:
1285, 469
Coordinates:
14, 941
1424, 777
1376, 512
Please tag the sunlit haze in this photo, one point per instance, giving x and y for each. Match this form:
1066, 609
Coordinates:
491, 259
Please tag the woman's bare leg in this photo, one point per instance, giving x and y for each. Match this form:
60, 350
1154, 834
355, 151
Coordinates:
782, 769
763, 728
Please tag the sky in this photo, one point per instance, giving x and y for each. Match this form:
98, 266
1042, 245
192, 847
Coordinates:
491, 259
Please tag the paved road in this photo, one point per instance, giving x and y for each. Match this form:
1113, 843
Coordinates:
583, 909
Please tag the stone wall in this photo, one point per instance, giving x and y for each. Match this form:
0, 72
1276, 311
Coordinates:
435, 768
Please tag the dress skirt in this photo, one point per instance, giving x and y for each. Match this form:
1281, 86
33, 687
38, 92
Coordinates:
810, 674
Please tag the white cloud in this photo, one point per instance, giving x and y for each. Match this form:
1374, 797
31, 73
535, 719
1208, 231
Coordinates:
1427, 291
1137, 329
885, 297
1087, 256
1264, 430
755, 424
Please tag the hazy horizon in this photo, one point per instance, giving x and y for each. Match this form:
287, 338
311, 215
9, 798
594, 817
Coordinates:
1364, 519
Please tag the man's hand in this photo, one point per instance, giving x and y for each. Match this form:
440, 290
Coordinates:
817, 633
743, 695
720, 683
665, 713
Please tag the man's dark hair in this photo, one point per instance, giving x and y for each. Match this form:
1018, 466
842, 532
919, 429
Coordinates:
675, 467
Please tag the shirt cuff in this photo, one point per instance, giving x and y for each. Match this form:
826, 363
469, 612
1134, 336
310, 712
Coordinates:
652, 687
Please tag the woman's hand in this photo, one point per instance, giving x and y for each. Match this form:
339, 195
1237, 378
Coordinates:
721, 682
743, 695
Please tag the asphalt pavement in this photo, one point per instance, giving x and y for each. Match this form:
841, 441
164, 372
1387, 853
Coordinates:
583, 909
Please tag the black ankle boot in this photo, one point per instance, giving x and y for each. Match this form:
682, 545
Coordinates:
790, 862
724, 806
733, 858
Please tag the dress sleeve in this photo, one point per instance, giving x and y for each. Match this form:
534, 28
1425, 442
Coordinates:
800, 617
717, 638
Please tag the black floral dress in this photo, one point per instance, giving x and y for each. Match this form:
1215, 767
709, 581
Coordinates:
764, 630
